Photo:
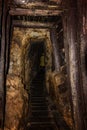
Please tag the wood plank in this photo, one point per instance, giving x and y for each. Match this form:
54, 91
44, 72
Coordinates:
19, 23
35, 12
2, 64
72, 46
56, 51
35, 4
82, 27
8, 37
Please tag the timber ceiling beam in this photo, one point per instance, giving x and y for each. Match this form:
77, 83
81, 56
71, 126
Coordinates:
19, 23
35, 12
35, 4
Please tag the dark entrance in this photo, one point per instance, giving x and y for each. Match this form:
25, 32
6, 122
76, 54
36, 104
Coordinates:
37, 58
39, 115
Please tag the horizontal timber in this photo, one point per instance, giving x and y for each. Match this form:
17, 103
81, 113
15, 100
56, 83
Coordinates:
34, 12
19, 23
37, 5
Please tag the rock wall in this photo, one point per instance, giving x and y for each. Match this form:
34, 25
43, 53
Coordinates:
59, 93
16, 104
16, 95
18, 78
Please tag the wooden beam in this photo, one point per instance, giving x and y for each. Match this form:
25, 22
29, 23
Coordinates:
82, 27
19, 23
56, 51
73, 58
37, 5
2, 66
8, 37
35, 12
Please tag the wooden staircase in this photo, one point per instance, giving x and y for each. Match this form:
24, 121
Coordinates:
40, 116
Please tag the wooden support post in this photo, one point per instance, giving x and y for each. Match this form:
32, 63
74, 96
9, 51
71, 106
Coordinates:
36, 12
66, 47
8, 37
73, 57
82, 31
56, 52
2, 65
22, 24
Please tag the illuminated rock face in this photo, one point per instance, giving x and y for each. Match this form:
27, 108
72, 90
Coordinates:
59, 93
16, 103
18, 78
16, 95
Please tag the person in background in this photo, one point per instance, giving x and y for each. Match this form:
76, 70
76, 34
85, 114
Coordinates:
42, 63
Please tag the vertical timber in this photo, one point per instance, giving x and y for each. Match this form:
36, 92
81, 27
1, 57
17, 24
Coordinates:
8, 37
82, 14
73, 57
56, 51
66, 46
2, 64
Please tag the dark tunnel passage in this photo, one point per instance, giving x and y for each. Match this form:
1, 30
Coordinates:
40, 88
37, 57
43, 65
41, 115
38, 114
38, 79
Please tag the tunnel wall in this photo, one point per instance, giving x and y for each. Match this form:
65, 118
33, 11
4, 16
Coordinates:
59, 93
18, 79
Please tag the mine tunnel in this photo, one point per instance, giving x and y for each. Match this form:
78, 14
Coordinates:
37, 76
37, 57
43, 65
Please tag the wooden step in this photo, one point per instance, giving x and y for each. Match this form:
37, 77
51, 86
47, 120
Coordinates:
38, 101
39, 113
37, 98
36, 91
37, 95
38, 104
43, 124
39, 108
41, 119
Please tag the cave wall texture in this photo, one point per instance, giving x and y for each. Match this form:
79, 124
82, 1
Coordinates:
59, 93
18, 79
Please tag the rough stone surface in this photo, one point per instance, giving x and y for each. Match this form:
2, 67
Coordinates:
16, 103
18, 78
60, 95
